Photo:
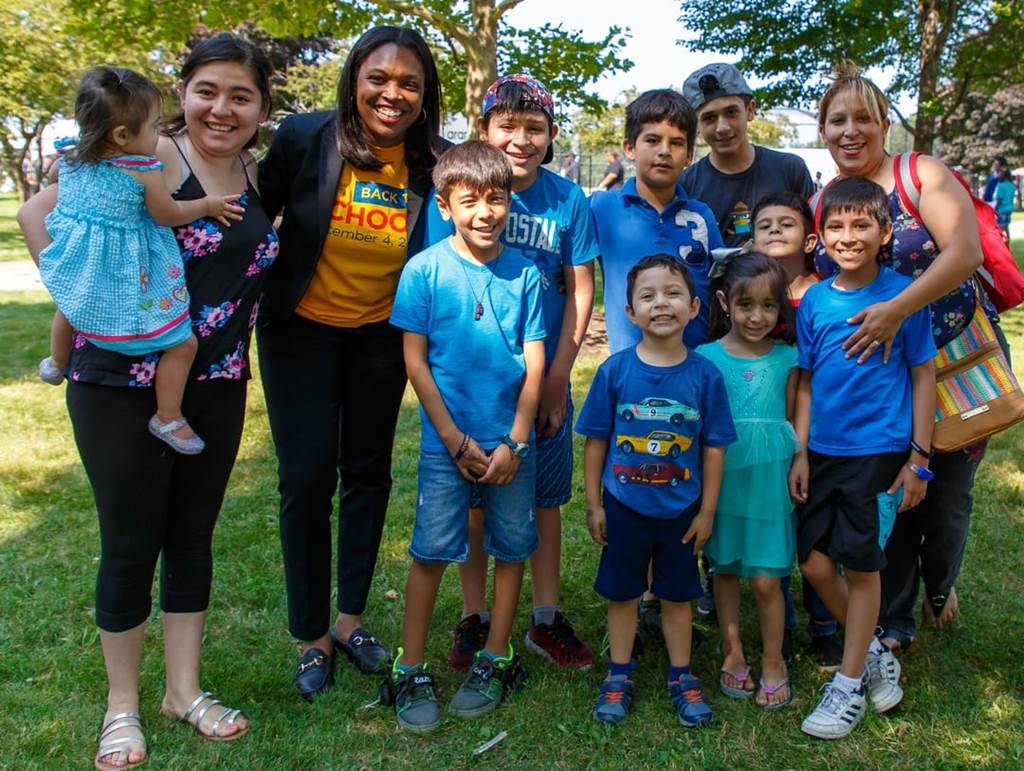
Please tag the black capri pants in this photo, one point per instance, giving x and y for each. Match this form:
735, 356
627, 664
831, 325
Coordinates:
152, 501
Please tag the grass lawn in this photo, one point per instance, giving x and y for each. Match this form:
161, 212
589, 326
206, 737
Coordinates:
11, 246
964, 701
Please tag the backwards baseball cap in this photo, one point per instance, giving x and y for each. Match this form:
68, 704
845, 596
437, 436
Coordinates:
533, 96
713, 81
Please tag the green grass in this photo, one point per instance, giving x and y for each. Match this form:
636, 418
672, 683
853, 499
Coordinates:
12, 247
963, 705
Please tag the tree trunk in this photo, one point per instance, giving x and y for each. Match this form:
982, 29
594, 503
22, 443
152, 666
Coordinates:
934, 19
481, 59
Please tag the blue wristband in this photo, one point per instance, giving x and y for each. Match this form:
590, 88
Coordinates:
921, 472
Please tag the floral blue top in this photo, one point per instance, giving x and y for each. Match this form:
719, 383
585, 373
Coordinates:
224, 273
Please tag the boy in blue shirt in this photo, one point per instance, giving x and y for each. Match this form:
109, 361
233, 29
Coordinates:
550, 223
657, 421
867, 426
474, 351
652, 213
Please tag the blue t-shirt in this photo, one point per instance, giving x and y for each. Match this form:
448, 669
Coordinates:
859, 409
656, 420
548, 223
477, 364
628, 229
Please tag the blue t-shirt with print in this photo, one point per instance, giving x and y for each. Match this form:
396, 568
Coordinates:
477, 364
859, 409
549, 223
656, 420
628, 229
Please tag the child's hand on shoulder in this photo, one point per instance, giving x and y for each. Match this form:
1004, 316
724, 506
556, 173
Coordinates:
799, 476
700, 529
914, 488
503, 467
224, 208
597, 524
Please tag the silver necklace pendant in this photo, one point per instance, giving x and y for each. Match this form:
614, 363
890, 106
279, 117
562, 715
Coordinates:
479, 312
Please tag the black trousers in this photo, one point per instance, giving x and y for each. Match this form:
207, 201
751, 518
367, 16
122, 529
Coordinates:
153, 502
333, 397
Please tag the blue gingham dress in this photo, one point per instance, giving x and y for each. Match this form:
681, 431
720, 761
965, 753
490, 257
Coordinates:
113, 272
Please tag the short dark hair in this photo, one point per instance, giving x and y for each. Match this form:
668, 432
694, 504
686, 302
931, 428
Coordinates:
109, 97
658, 261
421, 140
740, 270
856, 194
792, 201
475, 164
1001, 160
226, 47
660, 104
514, 98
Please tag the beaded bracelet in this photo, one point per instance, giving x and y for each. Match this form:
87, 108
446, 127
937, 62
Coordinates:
462, 448
920, 450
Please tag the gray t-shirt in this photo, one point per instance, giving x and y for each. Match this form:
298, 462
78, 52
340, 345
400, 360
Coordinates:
732, 197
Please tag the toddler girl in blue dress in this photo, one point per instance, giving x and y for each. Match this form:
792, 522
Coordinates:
114, 269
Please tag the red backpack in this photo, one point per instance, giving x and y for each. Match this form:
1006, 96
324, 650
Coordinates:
998, 274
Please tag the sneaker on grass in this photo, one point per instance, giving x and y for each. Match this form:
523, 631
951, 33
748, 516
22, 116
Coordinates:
882, 680
837, 714
827, 652
486, 684
469, 637
558, 642
613, 699
688, 697
414, 699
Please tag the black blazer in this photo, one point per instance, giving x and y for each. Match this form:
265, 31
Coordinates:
299, 176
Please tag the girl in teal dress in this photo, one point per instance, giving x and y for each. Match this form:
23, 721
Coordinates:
754, 531
114, 269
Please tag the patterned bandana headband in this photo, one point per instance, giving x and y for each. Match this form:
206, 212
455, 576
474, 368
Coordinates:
536, 93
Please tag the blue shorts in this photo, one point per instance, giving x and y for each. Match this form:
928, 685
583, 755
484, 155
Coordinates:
554, 464
440, 532
634, 541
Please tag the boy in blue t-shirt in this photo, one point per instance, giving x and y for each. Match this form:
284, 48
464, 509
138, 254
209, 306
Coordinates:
657, 421
652, 213
867, 425
549, 222
474, 351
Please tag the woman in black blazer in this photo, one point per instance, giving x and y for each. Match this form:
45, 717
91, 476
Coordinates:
350, 185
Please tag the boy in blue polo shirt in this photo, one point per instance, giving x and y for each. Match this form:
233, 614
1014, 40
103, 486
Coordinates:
549, 222
657, 421
474, 351
867, 426
652, 213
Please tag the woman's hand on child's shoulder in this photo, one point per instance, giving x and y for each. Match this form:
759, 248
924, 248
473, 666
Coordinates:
597, 524
224, 208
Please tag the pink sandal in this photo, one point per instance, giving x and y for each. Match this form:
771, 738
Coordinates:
771, 690
731, 691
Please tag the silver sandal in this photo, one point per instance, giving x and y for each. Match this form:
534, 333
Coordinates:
122, 743
163, 432
194, 715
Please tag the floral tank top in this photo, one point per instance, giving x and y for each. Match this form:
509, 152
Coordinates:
224, 271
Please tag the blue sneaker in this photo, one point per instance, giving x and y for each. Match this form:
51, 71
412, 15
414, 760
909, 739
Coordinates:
613, 699
691, 706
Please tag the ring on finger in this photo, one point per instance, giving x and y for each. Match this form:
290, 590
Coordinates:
875, 343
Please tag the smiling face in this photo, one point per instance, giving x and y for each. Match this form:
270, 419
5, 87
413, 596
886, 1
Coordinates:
389, 93
753, 308
524, 137
853, 136
661, 303
479, 217
722, 123
853, 240
660, 153
779, 233
222, 107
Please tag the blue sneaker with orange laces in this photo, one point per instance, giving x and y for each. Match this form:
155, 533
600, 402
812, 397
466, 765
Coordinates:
691, 706
613, 699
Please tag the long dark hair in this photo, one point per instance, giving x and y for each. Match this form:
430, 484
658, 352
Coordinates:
421, 146
742, 269
109, 97
226, 47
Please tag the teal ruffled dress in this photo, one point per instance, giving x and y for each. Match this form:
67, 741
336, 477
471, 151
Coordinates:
115, 274
755, 530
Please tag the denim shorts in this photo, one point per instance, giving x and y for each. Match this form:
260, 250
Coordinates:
440, 533
554, 464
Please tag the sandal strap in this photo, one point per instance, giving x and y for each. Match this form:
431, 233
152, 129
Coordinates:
119, 721
740, 677
771, 690
227, 717
204, 696
174, 425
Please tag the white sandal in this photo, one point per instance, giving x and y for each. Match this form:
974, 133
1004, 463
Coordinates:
163, 431
123, 744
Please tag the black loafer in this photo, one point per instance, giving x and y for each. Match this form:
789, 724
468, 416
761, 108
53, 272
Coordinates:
364, 650
314, 674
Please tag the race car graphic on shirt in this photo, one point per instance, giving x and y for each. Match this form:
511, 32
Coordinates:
655, 443
658, 408
651, 474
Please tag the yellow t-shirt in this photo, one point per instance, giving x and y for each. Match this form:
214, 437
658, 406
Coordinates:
365, 248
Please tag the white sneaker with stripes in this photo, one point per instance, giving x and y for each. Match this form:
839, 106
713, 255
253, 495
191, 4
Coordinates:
837, 714
882, 680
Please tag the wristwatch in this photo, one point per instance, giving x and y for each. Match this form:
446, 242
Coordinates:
921, 472
519, 449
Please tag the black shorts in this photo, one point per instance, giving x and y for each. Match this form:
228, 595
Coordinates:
634, 541
840, 518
